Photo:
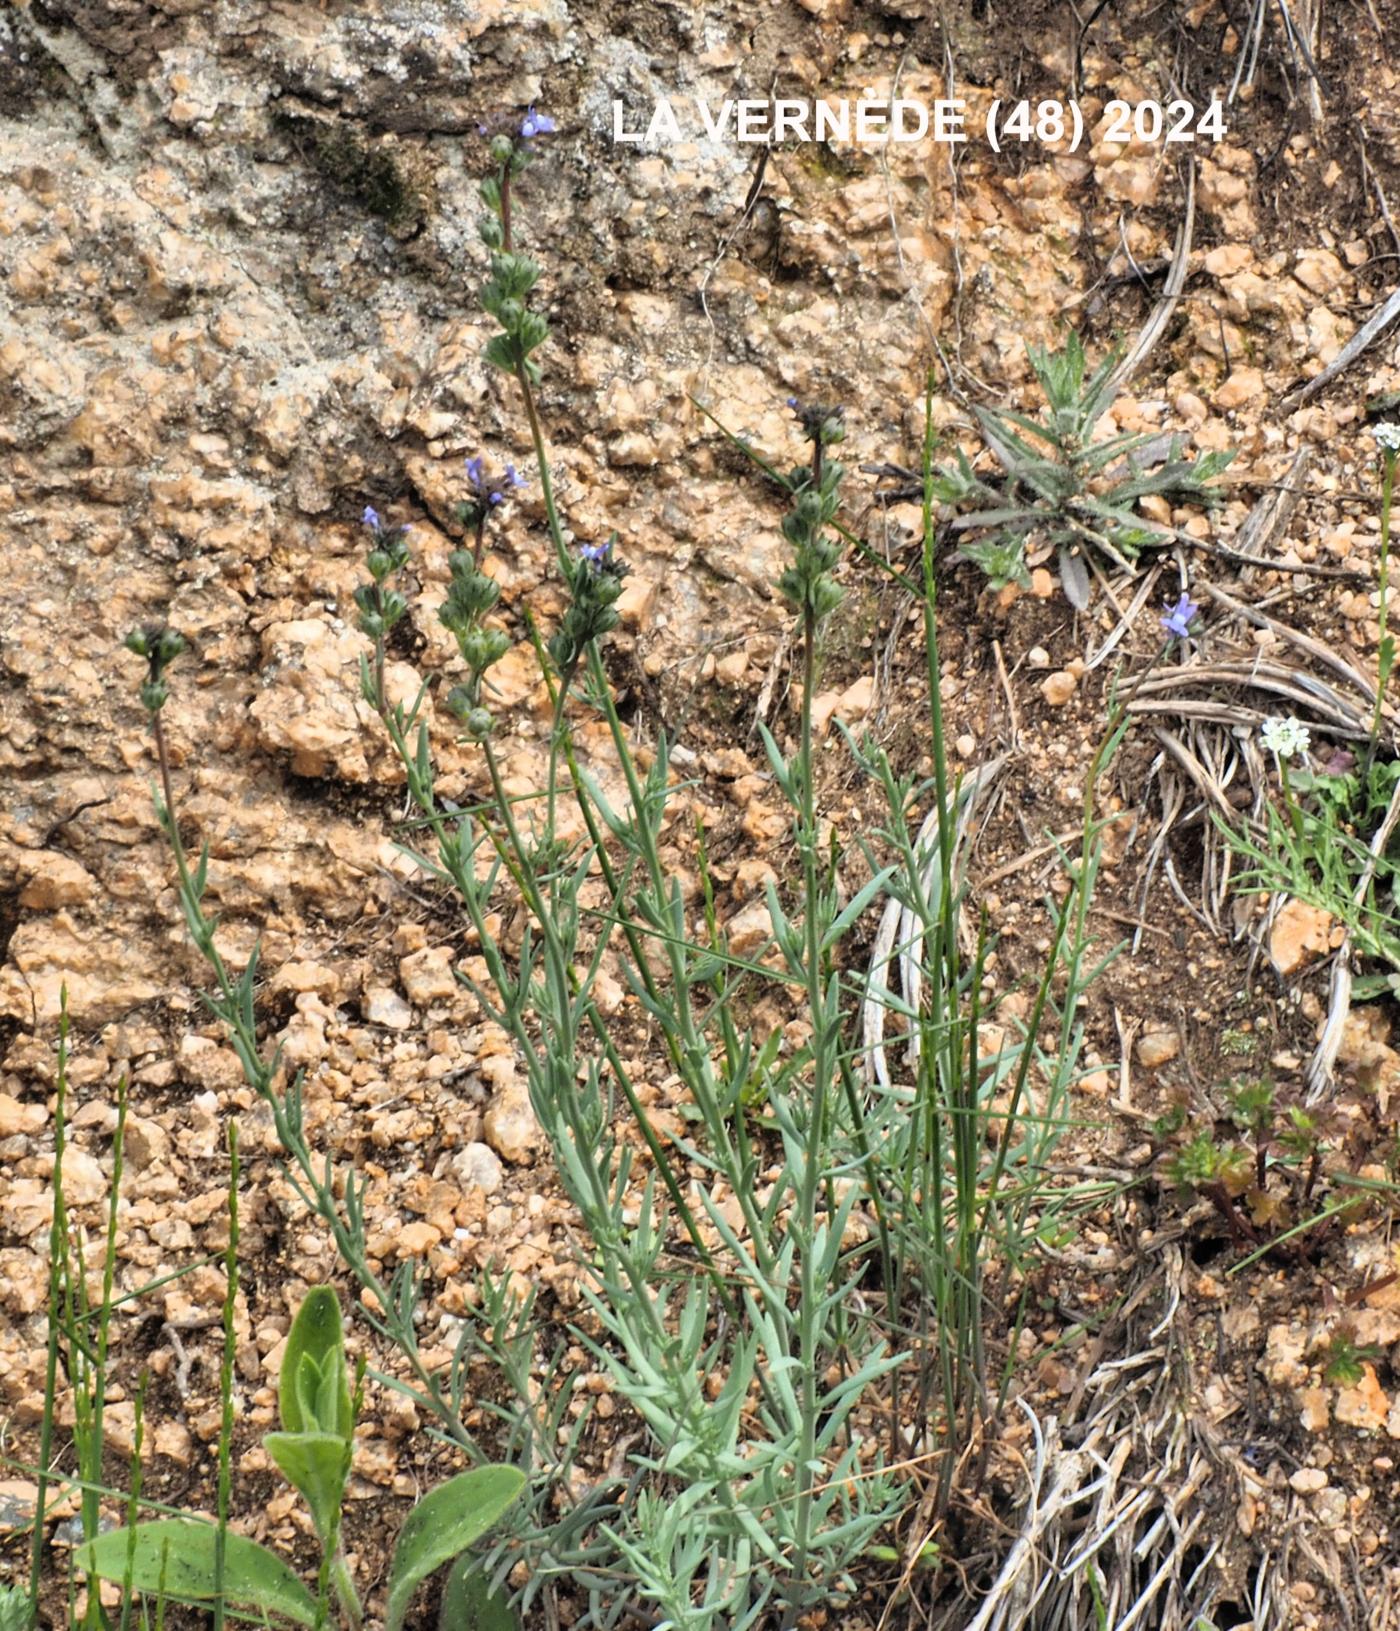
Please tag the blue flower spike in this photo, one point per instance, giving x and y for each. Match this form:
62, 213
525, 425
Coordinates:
371, 517
537, 124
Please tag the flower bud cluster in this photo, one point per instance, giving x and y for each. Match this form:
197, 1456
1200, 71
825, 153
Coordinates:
595, 589
160, 646
512, 276
381, 607
809, 585
820, 424
523, 331
471, 594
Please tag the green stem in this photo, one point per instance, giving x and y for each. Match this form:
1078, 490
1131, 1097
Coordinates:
58, 1255
226, 1374
1383, 676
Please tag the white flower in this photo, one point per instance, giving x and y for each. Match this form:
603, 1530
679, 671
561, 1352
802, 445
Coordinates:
1387, 436
1284, 737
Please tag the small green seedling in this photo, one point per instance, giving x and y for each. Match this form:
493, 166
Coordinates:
1345, 1359
176, 1557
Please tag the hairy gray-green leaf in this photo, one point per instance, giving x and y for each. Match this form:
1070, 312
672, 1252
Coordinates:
176, 1555
443, 1524
469, 1604
317, 1464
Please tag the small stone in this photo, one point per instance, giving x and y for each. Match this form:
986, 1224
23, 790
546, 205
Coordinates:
1319, 271
1315, 1408
95, 1113
84, 1181
427, 975
1157, 1047
417, 1238
1308, 1480
1227, 259
510, 1126
1042, 584
749, 928
476, 1167
1244, 385
146, 1142
16, 1118
1300, 932
387, 1008
54, 881
173, 1440
298, 977
1058, 688
1038, 657
1364, 1405
966, 745
19, 1500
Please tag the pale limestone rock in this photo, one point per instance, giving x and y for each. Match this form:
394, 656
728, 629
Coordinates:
384, 1006
1156, 1048
146, 1142
510, 1125
427, 976
477, 1167
1299, 934
84, 1181
749, 928
1058, 688
17, 1118
1244, 385
1365, 1405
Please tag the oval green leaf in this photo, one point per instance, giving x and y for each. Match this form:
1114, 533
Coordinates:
443, 1524
313, 1388
317, 1465
469, 1604
176, 1556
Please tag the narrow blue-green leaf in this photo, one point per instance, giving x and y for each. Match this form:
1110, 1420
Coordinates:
856, 907
176, 1556
443, 1524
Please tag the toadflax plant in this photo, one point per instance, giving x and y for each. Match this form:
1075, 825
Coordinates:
183, 1560
724, 1271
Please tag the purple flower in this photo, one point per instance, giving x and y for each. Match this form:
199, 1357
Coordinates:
597, 555
537, 124
371, 517
486, 491
1177, 622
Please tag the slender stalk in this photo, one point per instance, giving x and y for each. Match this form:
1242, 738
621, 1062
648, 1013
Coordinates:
1386, 660
226, 1377
58, 1256
133, 1502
